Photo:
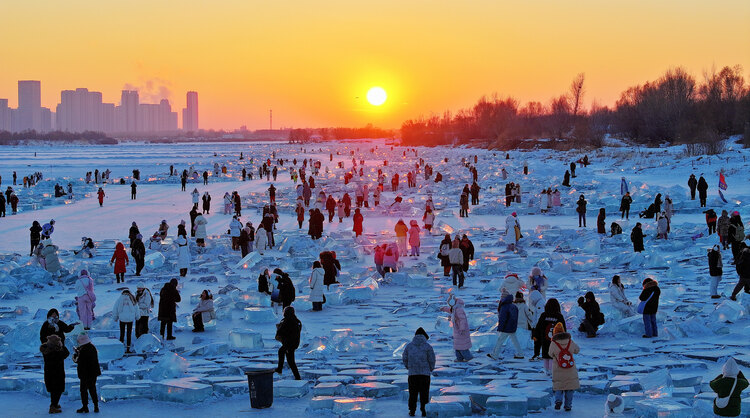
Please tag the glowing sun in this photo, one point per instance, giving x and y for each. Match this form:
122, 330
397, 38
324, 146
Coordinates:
376, 96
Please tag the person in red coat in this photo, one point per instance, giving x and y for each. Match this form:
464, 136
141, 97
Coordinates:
100, 193
358, 219
120, 260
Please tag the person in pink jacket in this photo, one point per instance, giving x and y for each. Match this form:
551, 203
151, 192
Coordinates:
461, 333
414, 238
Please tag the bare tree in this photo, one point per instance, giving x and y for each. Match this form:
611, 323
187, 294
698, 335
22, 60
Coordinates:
577, 91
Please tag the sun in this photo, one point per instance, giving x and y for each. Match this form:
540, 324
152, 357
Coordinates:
376, 96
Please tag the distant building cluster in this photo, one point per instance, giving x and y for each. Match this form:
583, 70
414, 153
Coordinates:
82, 110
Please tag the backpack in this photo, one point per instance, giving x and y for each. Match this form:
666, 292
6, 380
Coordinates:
564, 357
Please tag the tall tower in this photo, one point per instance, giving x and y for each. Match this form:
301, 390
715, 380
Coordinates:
29, 105
190, 113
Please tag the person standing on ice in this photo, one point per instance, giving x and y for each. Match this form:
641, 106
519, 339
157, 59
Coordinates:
200, 230
288, 333
467, 248
358, 223
662, 226
636, 237
120, 261
316, 282
618, 299
692, 183
125, 312
193, 214
272, 194
227, 203
544, 326
85, 299
419, 359
702, 191
100, 195
330, 207
743, 271
205, 177
512, 231
401, 231
196, 196
736, 235
581, 210
507, 324
525, 314
261, 239
461, 332
87, 360
183, 253
206, 202
340, 209
537, 280
474, 190
183, 180
2, 206
429, 219
145, 303
138, 251
715, 270
456, 258
169, 296
601, 225
564, 370
722, 228
54, 354
463, 203
625, 206
536, 307
34, 236
648, 306
133, 188
573, 169
728, 387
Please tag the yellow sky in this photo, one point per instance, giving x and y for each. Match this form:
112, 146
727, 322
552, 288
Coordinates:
313, 61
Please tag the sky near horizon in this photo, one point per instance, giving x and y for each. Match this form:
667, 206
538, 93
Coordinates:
312, 62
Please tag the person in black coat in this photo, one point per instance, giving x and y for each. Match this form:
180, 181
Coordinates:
54, 354
206, 202
573, 169
243, 241
35, 235
581, 210
133, 232
467, 248
138, 251
636, 237
657, 203
288, 334
169, 296
329, 267
702, 191
625, 206
53, 325
692, 183
193, 215
594, 316
285, 287
649, 297
566, 179
601, 226
133, 188
542, 333
87, 359
264, 282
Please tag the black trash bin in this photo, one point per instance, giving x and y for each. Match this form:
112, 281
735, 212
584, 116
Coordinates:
260, 383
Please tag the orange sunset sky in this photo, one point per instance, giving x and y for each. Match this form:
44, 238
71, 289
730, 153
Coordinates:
313, 61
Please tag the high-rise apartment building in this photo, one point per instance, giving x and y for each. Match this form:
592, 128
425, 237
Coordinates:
29, 105
190, 113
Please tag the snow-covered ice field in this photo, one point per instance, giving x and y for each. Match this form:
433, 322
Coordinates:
357, 338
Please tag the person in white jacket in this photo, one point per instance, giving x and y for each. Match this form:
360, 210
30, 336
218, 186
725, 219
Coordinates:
204, 312
261, 239
183, 254
235, 228
196, 197
227, 203
145, 304
511, 236
316, 286
200, 230
536, 305
618, 299
512, 283
525, 315
126, 312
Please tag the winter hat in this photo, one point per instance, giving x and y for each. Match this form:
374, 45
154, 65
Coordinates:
735, 213
421, 331
141, 285
536, 271
559, 328
511, 275
504, 293
615, 404
54, 339
139, 236
514, 214
730, 368
83, 338
84, 273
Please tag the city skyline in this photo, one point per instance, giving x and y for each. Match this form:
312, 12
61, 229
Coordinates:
82, 110
313, 62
